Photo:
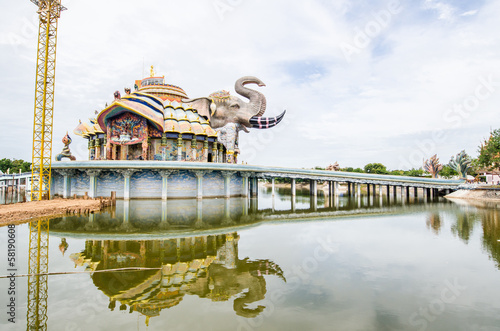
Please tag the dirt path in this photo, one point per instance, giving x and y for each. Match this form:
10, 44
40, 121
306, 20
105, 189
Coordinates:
24, 212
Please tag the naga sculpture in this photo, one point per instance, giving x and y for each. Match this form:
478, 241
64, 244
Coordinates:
66, 152
229, 114
461, 164
433, 166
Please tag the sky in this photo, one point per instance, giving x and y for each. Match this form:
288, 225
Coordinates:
362, 81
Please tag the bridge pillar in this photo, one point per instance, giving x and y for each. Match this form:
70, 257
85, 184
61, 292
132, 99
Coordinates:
313, 187
272, 187
348, 189
407, 193
368, 191
164, 182
358, 189
293, 187
394, 191
199, 181
93, 174
254, 187
336, 188
244, 176
415, 192
227, 182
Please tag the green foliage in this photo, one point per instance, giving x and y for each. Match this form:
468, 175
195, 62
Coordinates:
448, 172
414, 172
489, 152
14, 165
375, 168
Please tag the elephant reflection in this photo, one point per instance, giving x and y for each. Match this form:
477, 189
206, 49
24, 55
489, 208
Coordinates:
206, 266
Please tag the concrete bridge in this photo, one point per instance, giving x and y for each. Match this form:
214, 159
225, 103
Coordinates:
171, 179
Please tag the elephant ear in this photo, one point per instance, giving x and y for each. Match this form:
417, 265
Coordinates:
203, 106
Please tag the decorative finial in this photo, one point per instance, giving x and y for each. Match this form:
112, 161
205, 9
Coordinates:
152, 71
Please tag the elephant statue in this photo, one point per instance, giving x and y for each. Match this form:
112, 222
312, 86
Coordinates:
229, 114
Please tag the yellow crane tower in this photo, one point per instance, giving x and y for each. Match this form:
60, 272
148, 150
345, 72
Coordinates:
49, 12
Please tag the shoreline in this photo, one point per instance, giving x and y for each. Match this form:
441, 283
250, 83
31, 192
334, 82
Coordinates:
482, 194
24, 212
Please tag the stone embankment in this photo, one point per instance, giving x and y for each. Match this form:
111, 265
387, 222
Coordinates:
491, 194
27, 211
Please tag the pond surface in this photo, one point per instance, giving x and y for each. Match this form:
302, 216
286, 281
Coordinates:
239, 264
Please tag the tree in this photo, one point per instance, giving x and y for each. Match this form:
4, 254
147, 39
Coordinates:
14, 165
461, 164
375, 168
448, 172
489, 152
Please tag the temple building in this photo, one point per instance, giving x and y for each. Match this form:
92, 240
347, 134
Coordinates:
151, 123
158, 122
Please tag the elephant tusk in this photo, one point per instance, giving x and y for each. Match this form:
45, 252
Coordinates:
266, 122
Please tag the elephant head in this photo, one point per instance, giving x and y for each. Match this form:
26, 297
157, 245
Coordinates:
221, 108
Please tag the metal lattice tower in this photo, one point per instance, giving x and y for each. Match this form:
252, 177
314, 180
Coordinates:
49, 12
38, 275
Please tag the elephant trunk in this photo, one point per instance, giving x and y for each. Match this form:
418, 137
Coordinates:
257, 99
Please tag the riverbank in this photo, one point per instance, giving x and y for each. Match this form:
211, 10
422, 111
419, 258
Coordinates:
23, 212
484, 194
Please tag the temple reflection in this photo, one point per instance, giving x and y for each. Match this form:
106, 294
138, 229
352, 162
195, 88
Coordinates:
207, 266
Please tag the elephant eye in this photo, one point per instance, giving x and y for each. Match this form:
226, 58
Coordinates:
235, 106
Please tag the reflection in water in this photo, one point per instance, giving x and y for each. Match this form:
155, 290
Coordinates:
433, 222
187, 251
206, 266
464, 224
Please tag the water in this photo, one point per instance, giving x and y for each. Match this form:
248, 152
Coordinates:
366, 264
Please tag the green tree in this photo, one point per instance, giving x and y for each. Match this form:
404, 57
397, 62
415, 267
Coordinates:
14, 165
489, 152
375, 168
448, 172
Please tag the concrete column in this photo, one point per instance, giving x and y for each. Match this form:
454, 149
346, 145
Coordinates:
380, 190
67, 173
407, 193
415, 192
227, 181
336, 189
368, 190
272, 186
164, 173
313, 187
394, 191
127, 173
254, 187
358, 189
199, 181
245, 188
93, 174
293, 188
